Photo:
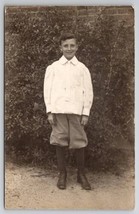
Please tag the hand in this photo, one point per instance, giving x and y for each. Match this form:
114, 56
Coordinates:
51, 119
84, 120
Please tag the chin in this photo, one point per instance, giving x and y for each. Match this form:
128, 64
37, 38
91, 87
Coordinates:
69, 57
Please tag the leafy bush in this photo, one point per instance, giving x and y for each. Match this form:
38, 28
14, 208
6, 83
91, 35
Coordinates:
31, 44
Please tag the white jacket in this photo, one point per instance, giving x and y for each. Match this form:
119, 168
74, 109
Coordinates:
68, 87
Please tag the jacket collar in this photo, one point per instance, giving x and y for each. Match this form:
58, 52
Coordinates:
63, 60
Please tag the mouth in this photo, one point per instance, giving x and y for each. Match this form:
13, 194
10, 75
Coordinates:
69, 52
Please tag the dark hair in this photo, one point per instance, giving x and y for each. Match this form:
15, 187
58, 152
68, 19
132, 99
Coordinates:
66, 36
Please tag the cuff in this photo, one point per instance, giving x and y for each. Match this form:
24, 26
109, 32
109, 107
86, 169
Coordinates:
48, 108
86, 111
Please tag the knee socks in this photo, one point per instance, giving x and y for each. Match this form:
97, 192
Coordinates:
60, 152
61, 160
80, 159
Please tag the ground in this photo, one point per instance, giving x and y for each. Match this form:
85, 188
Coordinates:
35, 188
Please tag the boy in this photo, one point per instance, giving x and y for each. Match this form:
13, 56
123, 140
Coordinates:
68, 96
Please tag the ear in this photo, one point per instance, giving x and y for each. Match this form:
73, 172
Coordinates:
60, 47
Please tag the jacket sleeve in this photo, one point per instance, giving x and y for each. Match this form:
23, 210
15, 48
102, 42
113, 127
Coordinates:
88, 92
47, 89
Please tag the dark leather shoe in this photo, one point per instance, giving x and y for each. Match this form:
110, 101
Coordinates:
82, 179
61, 184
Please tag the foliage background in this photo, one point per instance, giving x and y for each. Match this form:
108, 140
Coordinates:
106, 47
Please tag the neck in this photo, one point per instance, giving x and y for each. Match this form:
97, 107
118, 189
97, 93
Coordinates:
69, 58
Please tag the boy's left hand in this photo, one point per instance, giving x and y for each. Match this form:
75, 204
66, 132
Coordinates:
84, 120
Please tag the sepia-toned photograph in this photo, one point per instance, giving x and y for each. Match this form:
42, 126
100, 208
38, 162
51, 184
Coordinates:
69, 107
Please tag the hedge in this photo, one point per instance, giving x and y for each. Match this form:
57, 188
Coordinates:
106, 47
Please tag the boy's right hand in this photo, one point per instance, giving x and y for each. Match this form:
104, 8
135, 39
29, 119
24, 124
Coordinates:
51, 119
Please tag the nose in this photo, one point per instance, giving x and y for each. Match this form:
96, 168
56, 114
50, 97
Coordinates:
69, 48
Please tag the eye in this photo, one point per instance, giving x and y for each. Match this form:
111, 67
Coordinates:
65, 46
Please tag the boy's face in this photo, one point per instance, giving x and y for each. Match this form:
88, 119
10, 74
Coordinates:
69, 48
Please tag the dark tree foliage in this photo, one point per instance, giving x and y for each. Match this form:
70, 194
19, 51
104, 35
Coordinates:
106, 47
